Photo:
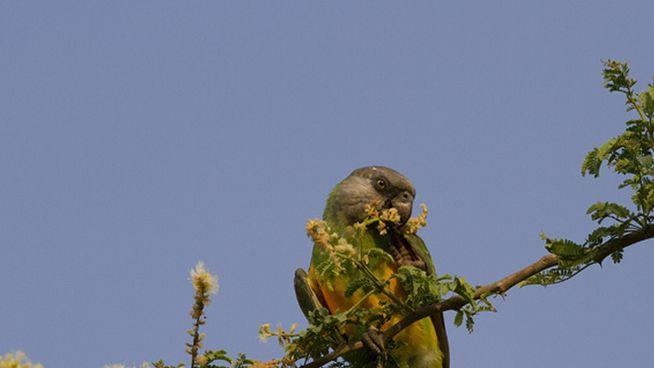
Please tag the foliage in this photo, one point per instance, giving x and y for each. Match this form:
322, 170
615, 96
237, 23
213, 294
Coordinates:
629, 155
423, 290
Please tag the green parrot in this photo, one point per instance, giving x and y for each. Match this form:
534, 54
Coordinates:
423, 344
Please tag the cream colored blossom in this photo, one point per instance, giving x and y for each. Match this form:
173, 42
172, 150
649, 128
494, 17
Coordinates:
324, 238
415, 223
345, 248
203, 281
390, 215
319, 232
264, 332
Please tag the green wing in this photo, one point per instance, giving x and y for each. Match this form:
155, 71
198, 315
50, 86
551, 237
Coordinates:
306, 297
420, 249
308, 300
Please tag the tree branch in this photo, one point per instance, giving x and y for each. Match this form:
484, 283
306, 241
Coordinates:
498, 287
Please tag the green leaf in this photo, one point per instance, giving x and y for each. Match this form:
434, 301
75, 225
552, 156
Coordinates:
458, 319
617, 256
616, 76
646, 100
470, 322
362, 283
597, 236
591, 164
602, 210
565, 248
421, 289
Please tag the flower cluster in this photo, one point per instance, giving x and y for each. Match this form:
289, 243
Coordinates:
318, 231
387, 216
382, 217
204, 283
415, 223
390, 216
336, 247
17, 360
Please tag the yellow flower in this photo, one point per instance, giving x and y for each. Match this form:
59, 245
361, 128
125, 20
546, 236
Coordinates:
17, 360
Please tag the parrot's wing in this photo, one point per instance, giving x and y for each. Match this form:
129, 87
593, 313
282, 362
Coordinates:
420, 249
306, 297
310, 299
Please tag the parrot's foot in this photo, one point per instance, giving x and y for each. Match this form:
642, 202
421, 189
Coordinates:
374, 341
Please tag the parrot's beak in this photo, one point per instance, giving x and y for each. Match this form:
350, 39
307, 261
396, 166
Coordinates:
403, 203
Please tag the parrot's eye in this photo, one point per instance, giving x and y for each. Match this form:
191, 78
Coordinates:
381, 183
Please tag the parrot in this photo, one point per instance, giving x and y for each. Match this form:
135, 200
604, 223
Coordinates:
423, 344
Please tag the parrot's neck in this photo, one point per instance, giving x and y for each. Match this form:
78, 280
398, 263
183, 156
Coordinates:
334, 214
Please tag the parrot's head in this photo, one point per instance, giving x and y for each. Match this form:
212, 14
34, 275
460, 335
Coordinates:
367, 186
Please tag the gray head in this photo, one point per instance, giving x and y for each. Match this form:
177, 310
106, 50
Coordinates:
368, 185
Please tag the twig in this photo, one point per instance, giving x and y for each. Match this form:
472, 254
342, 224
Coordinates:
196, 340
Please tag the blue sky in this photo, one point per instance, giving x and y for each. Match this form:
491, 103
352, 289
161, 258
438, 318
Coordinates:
137, 138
